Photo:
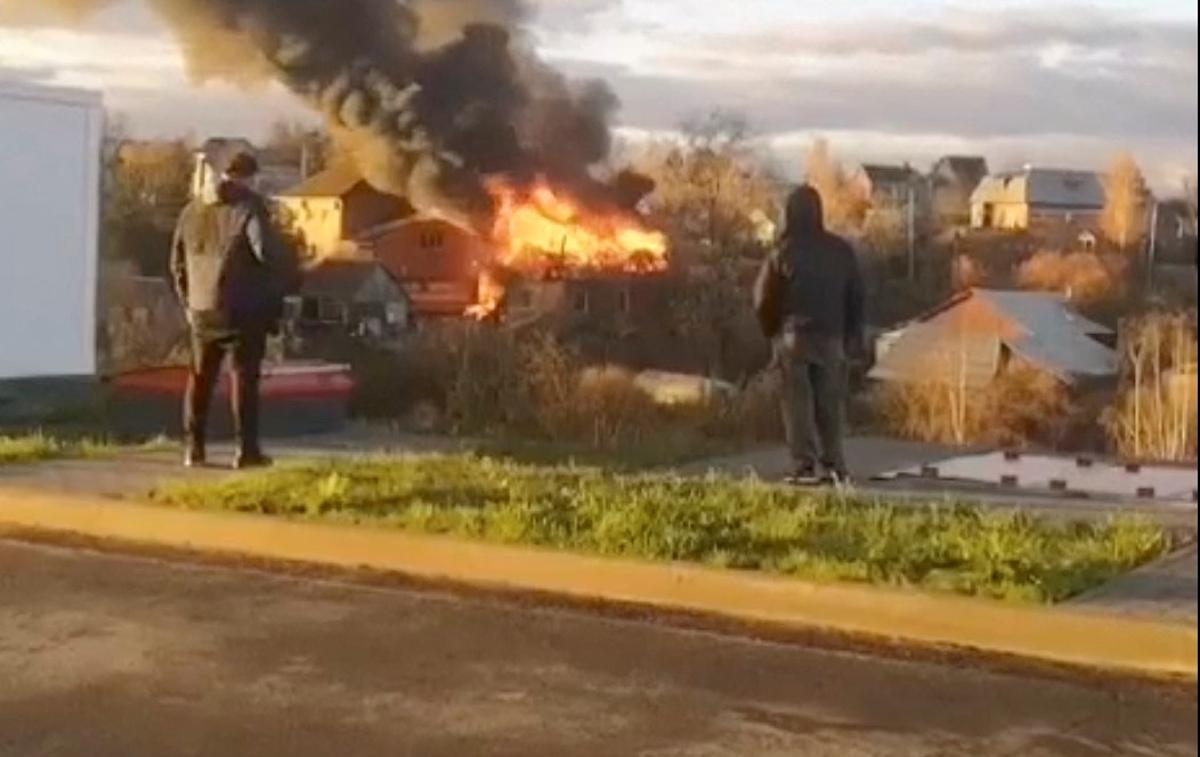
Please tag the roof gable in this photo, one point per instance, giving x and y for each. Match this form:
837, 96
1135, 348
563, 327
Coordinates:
1038, 326
336, 181
885, 174
965, 170
348, 279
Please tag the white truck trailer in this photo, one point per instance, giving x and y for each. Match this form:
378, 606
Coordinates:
50, 174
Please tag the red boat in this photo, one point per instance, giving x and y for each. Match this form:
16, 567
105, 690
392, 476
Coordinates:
297, 398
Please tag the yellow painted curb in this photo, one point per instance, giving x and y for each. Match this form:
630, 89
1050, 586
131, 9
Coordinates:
1048, 634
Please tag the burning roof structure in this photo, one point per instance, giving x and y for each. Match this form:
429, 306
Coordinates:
444, 103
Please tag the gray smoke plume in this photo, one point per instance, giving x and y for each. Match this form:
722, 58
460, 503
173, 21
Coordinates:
429, 96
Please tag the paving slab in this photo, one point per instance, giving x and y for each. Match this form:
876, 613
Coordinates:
869, 457
875, 460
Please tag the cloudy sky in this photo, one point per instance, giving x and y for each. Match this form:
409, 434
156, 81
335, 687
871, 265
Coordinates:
1054, 82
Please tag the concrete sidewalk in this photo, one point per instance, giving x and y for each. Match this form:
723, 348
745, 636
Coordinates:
871, 456
133, 474
1165, 590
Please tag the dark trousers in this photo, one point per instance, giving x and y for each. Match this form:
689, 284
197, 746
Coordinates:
210, 345
814, 399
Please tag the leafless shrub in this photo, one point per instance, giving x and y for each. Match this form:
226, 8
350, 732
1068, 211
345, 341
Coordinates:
1019, 407
1154, 416
1082, 276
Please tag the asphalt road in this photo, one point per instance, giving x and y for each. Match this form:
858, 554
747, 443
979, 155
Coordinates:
105, 655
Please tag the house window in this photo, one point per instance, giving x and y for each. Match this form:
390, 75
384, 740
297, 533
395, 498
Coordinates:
581, 301
310, 309
396, 314
293, 308
432, 240
330, 310
625, 301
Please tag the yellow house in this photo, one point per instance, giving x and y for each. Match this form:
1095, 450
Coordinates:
335, 206
1016, 200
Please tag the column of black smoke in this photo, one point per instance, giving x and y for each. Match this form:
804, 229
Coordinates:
429, 96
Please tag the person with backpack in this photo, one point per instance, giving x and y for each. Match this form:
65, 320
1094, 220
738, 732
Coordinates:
230, 273
810, 303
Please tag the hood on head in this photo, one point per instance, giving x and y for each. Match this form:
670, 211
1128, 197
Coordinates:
226, 192
805, 213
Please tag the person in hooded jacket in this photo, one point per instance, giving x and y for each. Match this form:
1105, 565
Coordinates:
228, 270
810, 304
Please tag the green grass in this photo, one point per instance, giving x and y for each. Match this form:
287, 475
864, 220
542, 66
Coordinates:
718, 522
26, 449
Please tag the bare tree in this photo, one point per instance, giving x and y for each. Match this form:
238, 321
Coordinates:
1125, 194
301, 144
147, 185
712, 192
1155, 415
1189, 195
716, 200
1080, 276
845, 203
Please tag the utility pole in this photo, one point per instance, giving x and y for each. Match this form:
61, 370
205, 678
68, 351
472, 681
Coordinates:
1151, 250
912, 233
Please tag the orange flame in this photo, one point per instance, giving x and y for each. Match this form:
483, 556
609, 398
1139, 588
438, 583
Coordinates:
544, 229
489, 297
541, 230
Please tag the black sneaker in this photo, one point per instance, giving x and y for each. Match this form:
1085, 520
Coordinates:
803, 475
249, 460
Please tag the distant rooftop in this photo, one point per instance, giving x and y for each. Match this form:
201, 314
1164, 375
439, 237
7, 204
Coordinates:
1039, 327
335, 181
880, 173
1048, 187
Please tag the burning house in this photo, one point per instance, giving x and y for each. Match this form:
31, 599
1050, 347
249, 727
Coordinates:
584, 252
448, 106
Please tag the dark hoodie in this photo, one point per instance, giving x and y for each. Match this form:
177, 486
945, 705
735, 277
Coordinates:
224, 260
811, 284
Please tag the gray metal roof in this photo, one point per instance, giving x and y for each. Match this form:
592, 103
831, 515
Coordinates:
886, 174
346, 279
1056, 338
1040, 328
1045, 187
1077, 189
